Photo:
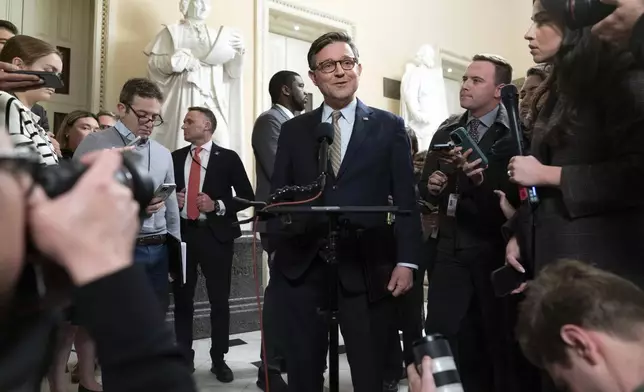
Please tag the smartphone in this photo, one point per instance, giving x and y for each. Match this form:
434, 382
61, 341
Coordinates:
134, 142
461, 138
164, 191
442, 147
506, 279
50, 79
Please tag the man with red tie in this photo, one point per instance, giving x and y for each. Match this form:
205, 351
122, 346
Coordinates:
206, 175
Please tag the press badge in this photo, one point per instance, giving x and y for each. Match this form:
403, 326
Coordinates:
452, 203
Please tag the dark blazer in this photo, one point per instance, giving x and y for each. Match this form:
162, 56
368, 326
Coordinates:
266, 132
478, 217
377, 164
596, 215
40, 112
224, 173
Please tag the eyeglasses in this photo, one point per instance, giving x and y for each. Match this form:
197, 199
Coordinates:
329, 66
145, 118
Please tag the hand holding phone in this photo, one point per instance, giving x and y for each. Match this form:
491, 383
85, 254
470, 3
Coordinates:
506, 279
49, 79
164, 191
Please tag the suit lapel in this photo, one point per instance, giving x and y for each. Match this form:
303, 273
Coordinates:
280, 113
179, 168
361, 128
212, 161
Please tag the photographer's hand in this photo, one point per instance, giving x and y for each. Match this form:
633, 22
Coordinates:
91, 229
424, 382
618, 26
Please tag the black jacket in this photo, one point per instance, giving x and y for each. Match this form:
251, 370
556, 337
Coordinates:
637, 41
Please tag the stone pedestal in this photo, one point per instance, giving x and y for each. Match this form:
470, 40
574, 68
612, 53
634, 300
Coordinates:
244, 315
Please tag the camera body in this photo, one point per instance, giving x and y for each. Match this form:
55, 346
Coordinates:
578, 14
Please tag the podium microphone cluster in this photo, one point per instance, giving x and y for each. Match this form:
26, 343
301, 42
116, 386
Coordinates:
324, 136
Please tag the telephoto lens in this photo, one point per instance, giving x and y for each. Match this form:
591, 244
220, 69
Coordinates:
578, 14
444, 369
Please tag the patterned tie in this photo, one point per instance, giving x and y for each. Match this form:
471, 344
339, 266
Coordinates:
194, 182
336, 148
473, 129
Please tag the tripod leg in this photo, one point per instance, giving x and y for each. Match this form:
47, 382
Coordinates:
334, 340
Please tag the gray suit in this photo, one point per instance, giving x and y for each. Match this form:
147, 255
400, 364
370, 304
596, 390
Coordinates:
266, 132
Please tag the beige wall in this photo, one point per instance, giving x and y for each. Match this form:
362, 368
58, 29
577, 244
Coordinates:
388, 34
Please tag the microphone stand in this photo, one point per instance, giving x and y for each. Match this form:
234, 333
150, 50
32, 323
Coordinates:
330, 255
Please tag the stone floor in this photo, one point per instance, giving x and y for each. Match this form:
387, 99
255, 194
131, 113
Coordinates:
242, 359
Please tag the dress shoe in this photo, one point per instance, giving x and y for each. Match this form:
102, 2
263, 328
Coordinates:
222, 372
275, 381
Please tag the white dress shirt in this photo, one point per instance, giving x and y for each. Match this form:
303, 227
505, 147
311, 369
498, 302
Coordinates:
285, 110
346, 122
204, 154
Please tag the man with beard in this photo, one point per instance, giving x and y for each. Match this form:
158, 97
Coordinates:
286, 89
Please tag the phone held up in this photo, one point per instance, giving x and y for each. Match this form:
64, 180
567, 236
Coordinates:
462, 138
50, 79
506, 279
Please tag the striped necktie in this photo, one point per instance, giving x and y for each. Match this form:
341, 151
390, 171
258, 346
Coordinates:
336, 148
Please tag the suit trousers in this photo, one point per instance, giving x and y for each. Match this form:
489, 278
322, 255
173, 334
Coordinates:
271, 325
461, 305
364, 326
215, 260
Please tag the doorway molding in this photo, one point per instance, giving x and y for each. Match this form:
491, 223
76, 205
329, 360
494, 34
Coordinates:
99, 53
263, 9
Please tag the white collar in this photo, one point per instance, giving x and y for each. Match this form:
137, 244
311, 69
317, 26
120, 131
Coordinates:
206, 146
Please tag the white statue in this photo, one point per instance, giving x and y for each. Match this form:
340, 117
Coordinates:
423, 102
195, 65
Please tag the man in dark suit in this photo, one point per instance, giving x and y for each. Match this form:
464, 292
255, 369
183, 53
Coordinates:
461, 301
286, 89
368, 161
206, 174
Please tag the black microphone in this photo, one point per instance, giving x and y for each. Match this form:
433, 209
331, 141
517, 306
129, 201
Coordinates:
510, 99
249, 203
324, 136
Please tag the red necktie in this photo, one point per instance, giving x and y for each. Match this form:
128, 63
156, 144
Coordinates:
194, 182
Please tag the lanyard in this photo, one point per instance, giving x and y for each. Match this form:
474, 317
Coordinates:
125, 145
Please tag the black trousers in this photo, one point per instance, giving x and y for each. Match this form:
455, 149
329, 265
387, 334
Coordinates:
461, 305
215, 261
364, 326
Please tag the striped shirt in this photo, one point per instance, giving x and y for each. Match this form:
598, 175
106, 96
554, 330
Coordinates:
24, 130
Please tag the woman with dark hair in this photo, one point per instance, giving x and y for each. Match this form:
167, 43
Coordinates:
587, 162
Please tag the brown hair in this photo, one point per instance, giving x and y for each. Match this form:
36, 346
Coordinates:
327, 39
210, 116
26, 48
139, 87
570, 292
68, 122
502, 68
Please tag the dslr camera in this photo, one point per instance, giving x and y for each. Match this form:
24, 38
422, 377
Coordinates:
30, 317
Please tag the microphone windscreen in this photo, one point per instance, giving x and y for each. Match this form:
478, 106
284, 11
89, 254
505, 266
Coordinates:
324, 131
509, 92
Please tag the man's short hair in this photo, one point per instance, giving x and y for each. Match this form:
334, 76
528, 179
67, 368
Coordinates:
326, 40
279, 80
210, 116
574, 293
5, 24
538, 70
106, 113
139, 87
502, 68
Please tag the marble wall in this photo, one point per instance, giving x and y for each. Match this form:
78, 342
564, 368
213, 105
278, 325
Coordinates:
244, 315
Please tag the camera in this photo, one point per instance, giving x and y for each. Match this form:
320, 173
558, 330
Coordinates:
578, 13
444, 370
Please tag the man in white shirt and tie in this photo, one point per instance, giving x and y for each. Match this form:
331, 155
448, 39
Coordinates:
206, 175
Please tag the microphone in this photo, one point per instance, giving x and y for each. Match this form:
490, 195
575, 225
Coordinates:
510, 99
324, 136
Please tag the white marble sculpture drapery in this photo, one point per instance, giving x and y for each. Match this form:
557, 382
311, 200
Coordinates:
195, 65
423, 102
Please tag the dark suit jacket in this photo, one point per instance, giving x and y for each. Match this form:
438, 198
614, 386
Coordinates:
377, 164
44, 121
224, 173
266, 132
479, 218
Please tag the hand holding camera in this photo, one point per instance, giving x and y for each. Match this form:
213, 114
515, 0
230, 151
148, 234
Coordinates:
89, 230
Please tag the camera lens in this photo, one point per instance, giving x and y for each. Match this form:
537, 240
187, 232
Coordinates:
444, 370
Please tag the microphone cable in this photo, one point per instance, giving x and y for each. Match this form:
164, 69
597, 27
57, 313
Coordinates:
257, 282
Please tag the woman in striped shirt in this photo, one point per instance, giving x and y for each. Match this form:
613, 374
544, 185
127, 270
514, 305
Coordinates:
29, 54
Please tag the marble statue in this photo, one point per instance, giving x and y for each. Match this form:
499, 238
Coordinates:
196, 65
423, 101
